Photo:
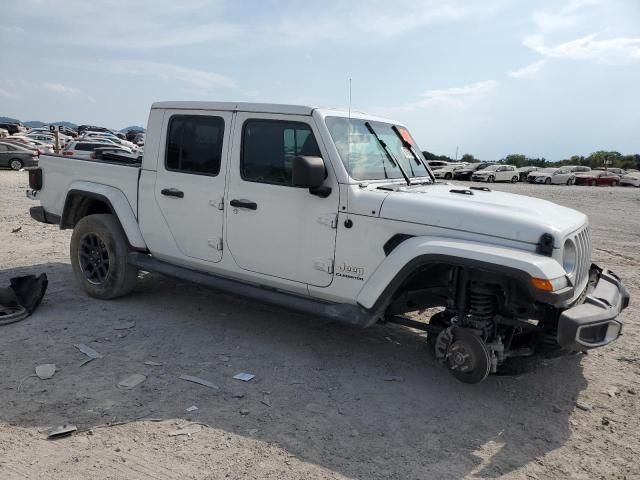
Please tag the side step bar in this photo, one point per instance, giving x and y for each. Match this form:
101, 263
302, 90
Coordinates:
341, 312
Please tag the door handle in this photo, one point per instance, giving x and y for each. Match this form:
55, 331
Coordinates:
244, 204
172, 192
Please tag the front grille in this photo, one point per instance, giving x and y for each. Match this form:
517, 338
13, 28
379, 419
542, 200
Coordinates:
582, 239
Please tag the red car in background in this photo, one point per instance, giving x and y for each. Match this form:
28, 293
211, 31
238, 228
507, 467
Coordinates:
596, 177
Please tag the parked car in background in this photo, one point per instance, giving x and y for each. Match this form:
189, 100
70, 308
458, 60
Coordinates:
448, 171
523, 172
577, 168
16, 156
614, 170
84, 149
4, 132
140, 139
436, 164
466, 172
110, 138
597, 177
14, 128
631, 179
29, 143
552, 175
496, 173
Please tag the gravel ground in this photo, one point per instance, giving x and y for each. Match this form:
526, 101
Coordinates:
328, 401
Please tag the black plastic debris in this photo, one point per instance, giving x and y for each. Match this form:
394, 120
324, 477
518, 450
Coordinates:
21, 297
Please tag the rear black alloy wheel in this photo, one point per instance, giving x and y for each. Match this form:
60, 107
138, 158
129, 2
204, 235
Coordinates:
491, 179
93, 258
16, 164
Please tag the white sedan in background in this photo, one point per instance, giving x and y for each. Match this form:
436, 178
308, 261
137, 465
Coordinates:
447, 171
496, 173
555, 176
630, 179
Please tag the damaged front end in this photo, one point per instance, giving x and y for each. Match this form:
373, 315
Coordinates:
21, 298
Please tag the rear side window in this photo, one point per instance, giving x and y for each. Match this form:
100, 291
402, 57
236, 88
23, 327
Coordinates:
269, 147
194, 144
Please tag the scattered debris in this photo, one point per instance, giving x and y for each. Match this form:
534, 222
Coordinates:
224, 359
61, 431
583, 406
88, 351
296, 382
153, 364
244, 411
85, 361
16, 230
354, 432
192, 408
265, 401
21, 297
394, 379
556, 409
132, 381
252, 431
46, 371
606, 421
631, 391
199, 381
189, 430
612, 392
245, 377
237, 395
124, 325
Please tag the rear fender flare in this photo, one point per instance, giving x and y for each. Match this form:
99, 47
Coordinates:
417, 251
117, 202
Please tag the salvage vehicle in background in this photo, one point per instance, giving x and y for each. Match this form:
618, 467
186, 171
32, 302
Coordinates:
631, 179
555, 176
523, 172
16, 157
85, 148
334, 214
496, 173
596, 178
466, 172
447, 172
437, 164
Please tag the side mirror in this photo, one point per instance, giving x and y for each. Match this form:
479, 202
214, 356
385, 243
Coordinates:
309, 172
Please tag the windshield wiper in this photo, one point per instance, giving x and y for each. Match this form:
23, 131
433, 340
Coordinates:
409, 147
390, 156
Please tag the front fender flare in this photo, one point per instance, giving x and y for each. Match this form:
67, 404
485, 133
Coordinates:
417, 251
118, 204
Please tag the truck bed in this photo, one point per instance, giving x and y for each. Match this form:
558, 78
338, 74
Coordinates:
63, 172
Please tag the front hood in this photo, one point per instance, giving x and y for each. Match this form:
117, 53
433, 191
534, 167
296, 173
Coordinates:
497, 214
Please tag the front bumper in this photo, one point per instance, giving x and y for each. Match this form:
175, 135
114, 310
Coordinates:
594, 322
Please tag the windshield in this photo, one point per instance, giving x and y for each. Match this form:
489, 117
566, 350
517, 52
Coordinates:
491, 168
364, 157
548, 170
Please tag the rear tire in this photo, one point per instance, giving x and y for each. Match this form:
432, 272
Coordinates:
547, 181
514, 180
447, 176
491, 179
614, 183
99, 252
16, 164
594, 183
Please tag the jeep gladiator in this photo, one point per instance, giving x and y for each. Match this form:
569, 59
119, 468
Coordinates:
334, 214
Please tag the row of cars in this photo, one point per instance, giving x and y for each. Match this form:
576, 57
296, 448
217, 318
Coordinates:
565, 175
21, 147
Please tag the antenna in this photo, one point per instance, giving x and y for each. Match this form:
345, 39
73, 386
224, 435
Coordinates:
349, 99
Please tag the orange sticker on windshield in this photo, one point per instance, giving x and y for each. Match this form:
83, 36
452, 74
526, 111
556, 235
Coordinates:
406, 136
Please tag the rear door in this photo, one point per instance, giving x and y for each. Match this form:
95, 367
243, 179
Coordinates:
190, 180
275, 228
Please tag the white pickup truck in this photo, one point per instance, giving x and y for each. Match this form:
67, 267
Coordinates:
333, 214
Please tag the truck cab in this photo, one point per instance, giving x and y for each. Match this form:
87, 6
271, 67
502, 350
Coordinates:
334, 214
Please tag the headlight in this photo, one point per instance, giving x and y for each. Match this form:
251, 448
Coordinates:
569, 256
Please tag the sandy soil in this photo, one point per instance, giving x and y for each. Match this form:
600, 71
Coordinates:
328, 401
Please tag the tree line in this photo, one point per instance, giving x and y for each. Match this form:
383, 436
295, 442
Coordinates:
597, 159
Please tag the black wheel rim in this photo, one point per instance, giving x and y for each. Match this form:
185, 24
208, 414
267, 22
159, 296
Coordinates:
93, 257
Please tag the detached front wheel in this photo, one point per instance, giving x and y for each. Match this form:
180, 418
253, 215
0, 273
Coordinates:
99, 252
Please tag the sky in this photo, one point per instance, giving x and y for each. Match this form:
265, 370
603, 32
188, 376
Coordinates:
547, 78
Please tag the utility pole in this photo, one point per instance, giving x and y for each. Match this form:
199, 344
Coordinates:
456, 153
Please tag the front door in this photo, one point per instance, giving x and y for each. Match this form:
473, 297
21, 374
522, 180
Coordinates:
275, 228
190, 181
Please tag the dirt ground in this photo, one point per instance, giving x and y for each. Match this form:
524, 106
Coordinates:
328, 401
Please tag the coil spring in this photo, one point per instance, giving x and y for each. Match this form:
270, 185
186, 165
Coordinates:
482, 303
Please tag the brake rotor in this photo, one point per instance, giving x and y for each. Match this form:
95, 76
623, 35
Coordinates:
468, 357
